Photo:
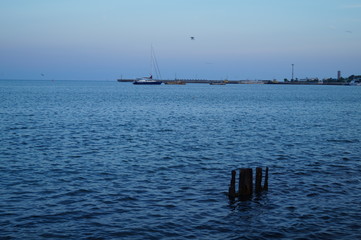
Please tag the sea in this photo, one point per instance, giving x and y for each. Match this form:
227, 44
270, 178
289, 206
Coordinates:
111, 160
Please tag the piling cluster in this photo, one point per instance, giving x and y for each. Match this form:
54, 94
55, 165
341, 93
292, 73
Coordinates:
245, 184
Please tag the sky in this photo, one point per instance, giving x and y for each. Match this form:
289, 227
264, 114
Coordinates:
233, 39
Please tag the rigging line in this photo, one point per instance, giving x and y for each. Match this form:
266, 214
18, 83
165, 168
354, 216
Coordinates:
157, 68
151, 59
155, 63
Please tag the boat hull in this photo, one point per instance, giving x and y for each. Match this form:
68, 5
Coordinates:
220, 83
147, 83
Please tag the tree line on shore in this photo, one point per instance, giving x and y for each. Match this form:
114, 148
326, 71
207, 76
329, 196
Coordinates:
341, 79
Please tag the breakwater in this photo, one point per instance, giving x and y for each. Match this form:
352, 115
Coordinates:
246, 82
206, 81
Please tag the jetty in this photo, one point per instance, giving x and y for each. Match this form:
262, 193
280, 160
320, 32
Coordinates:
205, 81
351, 81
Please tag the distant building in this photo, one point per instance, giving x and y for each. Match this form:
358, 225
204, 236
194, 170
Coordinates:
338, 75
315, 79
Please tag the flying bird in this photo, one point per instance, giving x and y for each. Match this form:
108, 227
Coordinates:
192, 38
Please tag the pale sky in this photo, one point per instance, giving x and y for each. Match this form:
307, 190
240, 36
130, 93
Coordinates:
234, 39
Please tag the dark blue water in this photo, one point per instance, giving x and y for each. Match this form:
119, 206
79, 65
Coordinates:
109, 160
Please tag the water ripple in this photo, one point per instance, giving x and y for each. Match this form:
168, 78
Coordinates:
98, 160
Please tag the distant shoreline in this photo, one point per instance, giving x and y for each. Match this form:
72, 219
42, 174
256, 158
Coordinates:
204, 81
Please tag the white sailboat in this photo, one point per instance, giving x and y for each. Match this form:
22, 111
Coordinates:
154, 67
147, 81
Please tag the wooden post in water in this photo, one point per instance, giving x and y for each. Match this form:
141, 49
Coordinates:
232, 187
258, 180
245, 182
265, 187
245, 186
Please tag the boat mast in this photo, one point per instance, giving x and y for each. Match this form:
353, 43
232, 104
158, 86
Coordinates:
151, 60
154, 64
